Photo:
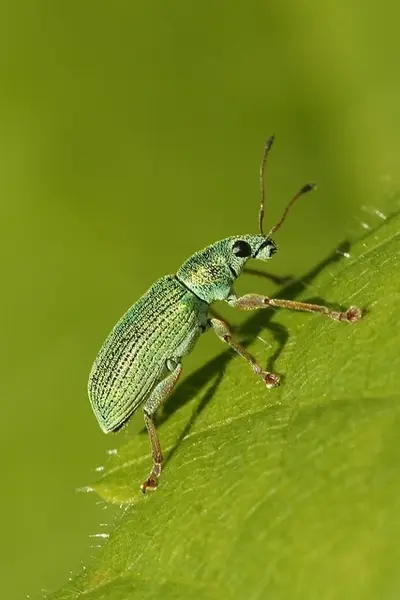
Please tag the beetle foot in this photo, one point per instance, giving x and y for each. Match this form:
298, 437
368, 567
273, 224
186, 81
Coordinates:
353, 314
150, 485
152, 482
271, 380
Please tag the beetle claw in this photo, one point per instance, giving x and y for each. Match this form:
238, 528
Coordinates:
150, 485
271, 380
353, 314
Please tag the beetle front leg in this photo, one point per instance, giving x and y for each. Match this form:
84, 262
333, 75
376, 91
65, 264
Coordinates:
222, 330
158, 396
255, 301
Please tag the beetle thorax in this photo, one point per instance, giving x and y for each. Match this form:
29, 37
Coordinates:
210, 273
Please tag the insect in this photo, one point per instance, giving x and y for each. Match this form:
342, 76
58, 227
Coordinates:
141, 360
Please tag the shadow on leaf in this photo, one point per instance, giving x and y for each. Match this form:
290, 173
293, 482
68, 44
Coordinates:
213, 371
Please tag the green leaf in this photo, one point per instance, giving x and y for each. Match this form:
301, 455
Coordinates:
287, 493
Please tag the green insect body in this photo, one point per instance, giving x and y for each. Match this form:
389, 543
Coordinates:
140, 361
164, 324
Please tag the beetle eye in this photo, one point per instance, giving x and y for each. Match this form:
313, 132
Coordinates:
242, 249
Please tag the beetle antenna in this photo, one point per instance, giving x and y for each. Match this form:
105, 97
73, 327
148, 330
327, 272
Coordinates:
304, 190
267, 148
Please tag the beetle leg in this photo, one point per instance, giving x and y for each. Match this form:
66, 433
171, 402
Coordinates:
157, 397
255, 301
224, 334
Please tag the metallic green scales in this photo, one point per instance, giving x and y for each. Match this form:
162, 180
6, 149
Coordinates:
211, 273
163, 324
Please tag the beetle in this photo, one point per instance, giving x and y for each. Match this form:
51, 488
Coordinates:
140, 362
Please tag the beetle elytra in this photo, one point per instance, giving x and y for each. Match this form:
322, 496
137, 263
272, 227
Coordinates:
141, 360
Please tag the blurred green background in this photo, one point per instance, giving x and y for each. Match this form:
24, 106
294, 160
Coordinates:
131, 134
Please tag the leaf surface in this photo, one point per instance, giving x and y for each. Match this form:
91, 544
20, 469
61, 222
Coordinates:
286, 493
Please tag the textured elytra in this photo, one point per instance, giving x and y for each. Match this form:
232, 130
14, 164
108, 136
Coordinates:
163, 324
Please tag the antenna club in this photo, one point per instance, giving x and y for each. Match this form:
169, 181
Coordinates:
309, 187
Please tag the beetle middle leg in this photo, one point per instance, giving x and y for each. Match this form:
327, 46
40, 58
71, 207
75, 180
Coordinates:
157, 397
223, 332
255, 301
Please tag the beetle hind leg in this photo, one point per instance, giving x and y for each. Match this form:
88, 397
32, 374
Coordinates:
157, 397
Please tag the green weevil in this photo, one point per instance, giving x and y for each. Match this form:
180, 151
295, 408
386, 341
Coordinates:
141, 359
